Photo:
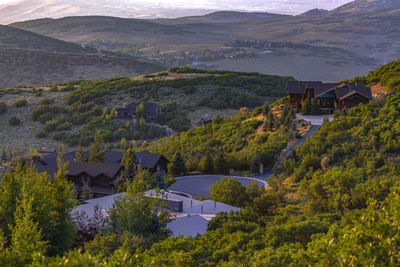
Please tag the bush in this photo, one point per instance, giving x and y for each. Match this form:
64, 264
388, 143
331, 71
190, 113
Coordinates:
20, 102
46, 101
14, 121
3, 108
41, 134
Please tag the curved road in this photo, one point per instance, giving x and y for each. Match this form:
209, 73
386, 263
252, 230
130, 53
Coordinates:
199, 185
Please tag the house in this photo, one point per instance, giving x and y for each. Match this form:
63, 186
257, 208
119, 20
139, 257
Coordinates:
99, 177
128, 113
328, 97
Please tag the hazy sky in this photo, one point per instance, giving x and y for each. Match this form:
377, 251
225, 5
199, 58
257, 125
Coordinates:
286, 6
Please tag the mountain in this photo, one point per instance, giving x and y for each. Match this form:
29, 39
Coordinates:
367, 6
17, 38
222, 17
135, 31
314, 12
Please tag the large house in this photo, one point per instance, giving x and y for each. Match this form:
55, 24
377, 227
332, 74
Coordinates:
128, 113
327, 96
100, 177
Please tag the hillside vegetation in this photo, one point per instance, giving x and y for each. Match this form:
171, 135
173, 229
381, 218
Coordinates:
186, 95
335, 202
233, 143
387, 75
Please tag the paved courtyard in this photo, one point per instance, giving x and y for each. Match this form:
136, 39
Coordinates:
199, 185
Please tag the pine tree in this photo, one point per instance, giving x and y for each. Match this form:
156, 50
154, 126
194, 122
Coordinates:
207, 164
96, 149
80, 155
178, 167
27, 238
140, 112
65, 197
86, 194
221, 164
129, 162
306, 108
255, 164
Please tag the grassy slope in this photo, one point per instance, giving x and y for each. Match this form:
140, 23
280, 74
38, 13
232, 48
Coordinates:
180, 93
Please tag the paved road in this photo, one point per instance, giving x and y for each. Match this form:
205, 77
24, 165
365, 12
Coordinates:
199, 185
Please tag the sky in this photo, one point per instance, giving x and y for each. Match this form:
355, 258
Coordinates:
11, 10
259, 5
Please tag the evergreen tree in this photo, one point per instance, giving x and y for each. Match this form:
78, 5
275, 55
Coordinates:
27, 237
306, 108
178, 167
80, 155
221, 165
86, 194
140, 114
255, 164
129, 162
207, 165
96, 149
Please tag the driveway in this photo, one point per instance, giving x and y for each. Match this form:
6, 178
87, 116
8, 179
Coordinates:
315, 119
199, 185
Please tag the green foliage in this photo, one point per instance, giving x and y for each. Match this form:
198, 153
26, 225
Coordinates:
229, 191
137, 214
51, 202
21, 102
3, 108
178, 167
14, 121
96, 149
223, 98
41, 134
387, 75
235, 137
206, 164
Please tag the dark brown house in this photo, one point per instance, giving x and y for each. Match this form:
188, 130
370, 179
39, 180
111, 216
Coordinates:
98, 176
128, 114
327, 96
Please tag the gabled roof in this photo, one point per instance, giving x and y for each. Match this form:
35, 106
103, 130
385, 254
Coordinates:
148, 160
85, 168
322, 90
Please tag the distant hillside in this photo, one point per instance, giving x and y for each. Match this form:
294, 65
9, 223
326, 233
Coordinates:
114, 29
314, 12
35, 67
367, 6
222, 17
17, 38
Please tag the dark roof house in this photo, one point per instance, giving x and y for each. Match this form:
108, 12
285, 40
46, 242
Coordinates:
98, 176
327, 96
152, 111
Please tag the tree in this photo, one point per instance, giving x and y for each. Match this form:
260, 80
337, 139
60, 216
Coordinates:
80, 155
129, 162
207, 164
26, 237
96, 149
229, 191
306, 108
140, 113
255, 164
178, 167
138, 214
221, 165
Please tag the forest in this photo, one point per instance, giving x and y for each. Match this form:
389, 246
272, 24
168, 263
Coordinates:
335, 202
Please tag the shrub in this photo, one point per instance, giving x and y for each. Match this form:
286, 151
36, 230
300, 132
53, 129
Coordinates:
20, 102
3, 108
14, 121
41, 134
46, 101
